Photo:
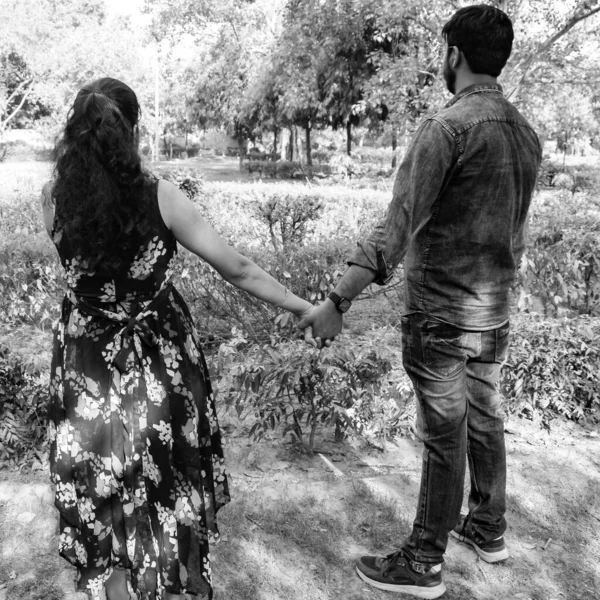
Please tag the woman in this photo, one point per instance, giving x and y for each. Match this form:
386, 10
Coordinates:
135, 447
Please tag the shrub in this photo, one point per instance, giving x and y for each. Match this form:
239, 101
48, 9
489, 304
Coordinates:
311, 271
287, 216
553, 367
322, 155
23, 402
342, 164
554, 173
263, 167
189, 181
299, 389
215, 304
382, 157
254, 154
561, 267
283, 169
30, 273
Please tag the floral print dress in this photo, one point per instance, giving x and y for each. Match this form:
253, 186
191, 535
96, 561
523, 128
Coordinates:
136, 455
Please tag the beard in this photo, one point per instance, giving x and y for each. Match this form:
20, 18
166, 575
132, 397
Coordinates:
450, 78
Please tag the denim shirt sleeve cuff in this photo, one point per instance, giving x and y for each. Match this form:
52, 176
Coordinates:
374, 260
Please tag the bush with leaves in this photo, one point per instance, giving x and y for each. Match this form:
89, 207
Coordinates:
189, 181
283, 169
561, 266
553, 367
554, 173
30, 274
378, 157
287, 217
298, 388
23, 402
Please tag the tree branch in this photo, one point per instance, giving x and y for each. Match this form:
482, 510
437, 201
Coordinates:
14, 113
582, 12
17, 90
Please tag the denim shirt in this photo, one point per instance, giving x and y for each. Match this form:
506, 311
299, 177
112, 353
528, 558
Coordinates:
459, 210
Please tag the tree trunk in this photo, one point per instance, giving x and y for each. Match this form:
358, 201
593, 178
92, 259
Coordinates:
156, 148
3, 145
296, 155
242, 150
349, 138
308, 150
394, 146
291, 145
275, 140
313, 425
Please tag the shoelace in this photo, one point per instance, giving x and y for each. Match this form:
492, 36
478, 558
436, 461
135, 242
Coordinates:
389, 561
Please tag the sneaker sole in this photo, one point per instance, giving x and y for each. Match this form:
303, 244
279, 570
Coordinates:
489, 557
418, 592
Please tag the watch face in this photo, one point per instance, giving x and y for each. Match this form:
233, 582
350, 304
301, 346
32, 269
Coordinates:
344, 305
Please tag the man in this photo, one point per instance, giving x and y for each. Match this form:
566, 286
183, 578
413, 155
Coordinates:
457, 217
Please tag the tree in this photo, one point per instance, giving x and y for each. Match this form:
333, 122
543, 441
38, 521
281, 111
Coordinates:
554, 42
556, 22
232, 38
49, 49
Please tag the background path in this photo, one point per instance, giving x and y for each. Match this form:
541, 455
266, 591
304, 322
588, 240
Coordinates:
213, 168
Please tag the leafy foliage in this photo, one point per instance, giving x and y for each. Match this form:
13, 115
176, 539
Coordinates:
284, 169
189, 181
561, 267
23, 400
553, 367
297, 388
288, 217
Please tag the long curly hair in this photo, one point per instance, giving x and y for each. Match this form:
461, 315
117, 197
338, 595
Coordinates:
99, 186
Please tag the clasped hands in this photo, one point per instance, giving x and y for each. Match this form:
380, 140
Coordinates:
320, 324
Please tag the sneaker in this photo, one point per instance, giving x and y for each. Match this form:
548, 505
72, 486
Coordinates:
491, 552
394, 573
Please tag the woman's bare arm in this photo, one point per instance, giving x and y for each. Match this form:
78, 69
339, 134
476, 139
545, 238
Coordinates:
194, 233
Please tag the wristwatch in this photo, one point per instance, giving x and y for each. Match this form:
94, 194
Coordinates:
342, 304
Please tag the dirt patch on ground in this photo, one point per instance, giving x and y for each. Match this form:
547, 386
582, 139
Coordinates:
297, 522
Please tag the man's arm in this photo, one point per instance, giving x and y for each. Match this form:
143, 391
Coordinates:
422, 176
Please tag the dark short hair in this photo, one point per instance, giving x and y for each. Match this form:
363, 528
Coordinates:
484, 34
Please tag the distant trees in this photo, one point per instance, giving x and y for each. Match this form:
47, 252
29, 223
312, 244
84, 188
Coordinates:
49, 49
256, 66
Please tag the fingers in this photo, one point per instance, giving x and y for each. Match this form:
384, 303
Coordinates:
309, 339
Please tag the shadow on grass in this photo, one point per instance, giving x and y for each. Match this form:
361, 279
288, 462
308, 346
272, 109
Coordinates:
303, 544
564, 562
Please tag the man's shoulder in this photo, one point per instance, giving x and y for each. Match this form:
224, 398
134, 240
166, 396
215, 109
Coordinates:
479, 108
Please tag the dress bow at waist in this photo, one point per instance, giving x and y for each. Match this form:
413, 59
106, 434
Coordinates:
135, 327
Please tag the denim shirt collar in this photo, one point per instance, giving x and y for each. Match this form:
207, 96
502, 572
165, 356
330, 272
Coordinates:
475, 89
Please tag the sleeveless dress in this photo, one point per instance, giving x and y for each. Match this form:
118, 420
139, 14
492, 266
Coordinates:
135, 455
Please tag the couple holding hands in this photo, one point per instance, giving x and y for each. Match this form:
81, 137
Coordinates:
136, 452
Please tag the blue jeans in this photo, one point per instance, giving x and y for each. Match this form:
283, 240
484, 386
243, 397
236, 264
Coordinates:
459, 415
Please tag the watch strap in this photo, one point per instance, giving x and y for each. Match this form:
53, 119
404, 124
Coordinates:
335, 298
341, 304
